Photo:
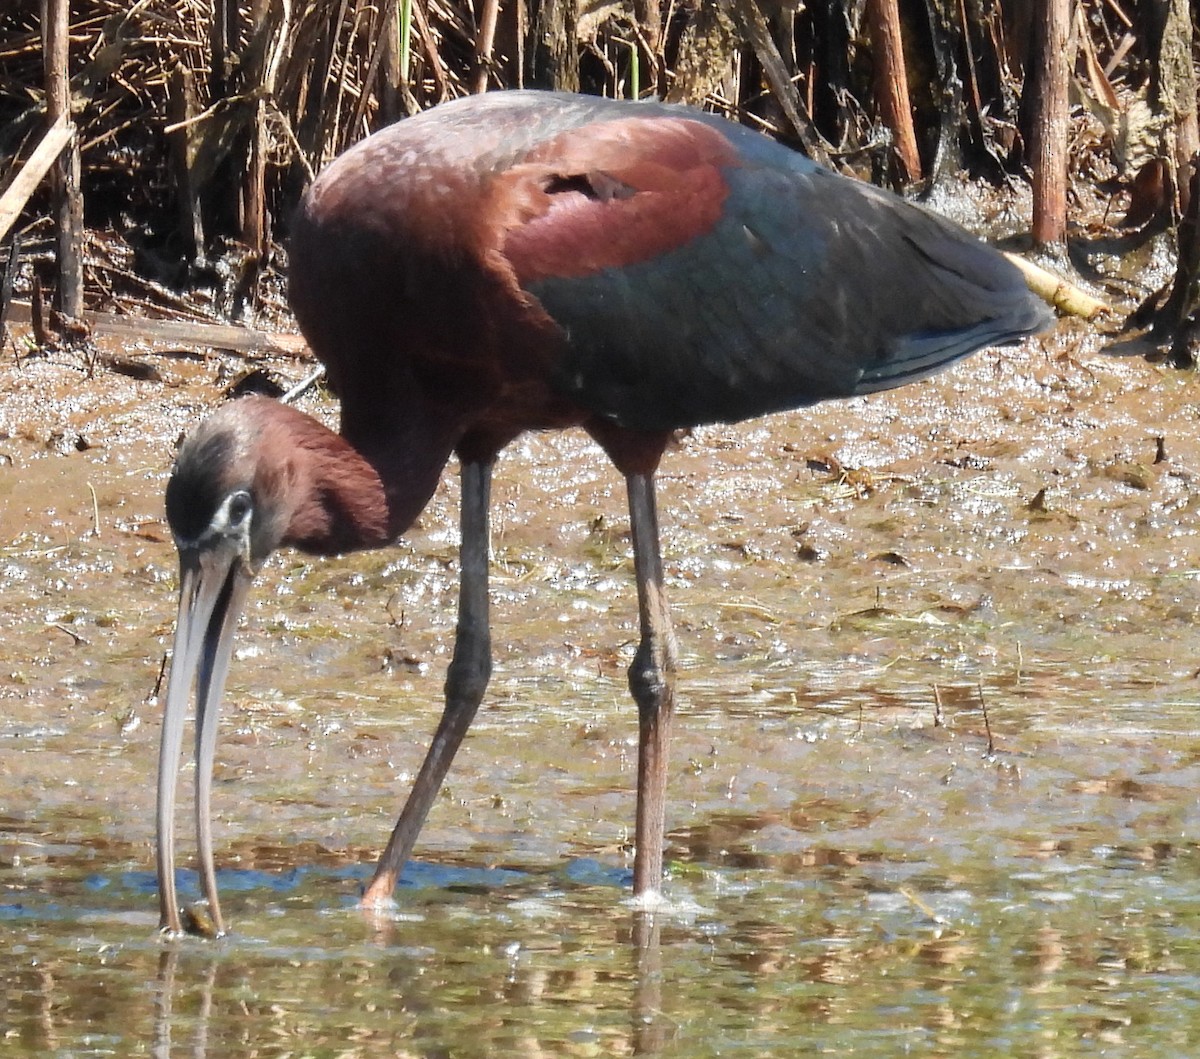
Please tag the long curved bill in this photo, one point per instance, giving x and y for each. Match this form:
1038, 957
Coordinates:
212, 588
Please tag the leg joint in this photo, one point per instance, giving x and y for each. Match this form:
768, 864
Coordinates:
650, 676
469, 672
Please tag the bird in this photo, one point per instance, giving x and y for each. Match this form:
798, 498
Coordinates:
529, 261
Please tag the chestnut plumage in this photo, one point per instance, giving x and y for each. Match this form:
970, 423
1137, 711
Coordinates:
522, 261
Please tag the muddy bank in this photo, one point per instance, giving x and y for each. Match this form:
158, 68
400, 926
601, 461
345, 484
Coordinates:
865, 595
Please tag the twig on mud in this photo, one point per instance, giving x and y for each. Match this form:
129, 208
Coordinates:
158, 683
95, 511
303, 386
80, 641
399, 622
987, 726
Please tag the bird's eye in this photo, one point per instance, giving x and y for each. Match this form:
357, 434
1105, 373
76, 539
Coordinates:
238, 509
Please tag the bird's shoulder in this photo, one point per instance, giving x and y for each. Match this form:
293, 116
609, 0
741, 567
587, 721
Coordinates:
627, 186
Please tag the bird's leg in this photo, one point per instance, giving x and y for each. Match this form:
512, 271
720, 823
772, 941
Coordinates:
652, 682
466, 680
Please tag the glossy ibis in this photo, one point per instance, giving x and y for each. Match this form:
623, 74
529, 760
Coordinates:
529, 261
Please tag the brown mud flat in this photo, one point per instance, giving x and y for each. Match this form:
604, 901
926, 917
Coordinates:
996, 529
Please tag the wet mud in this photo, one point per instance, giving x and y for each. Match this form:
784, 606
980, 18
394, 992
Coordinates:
934, 773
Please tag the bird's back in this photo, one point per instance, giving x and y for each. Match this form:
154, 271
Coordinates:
652, 265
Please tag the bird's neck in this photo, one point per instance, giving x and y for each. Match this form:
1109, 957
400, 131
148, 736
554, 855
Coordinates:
409, 473
361, 493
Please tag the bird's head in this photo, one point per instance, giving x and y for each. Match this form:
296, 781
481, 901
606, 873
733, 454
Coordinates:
223, 496
255, 475
231, 501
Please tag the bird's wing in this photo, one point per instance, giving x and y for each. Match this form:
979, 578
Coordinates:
703, 274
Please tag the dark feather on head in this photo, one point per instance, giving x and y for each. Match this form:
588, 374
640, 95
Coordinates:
199, 483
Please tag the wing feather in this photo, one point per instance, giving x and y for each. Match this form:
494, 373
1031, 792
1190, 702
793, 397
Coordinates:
702, 273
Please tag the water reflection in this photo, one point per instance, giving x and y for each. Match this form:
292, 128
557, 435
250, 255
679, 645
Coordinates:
651, 1028
164, 999
187, 994
1059, 952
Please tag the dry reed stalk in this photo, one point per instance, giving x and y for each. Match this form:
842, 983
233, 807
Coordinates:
306, 78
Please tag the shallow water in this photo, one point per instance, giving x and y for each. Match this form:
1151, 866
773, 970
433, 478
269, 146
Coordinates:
933, 782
